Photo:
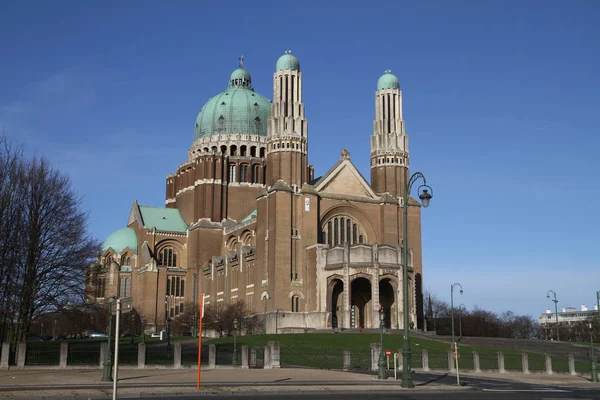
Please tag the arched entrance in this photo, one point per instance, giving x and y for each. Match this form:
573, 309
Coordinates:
360, 315
337, 303
386, 299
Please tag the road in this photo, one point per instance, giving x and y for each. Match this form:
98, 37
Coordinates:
482, 388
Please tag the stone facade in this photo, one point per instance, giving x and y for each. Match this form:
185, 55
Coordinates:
245, 219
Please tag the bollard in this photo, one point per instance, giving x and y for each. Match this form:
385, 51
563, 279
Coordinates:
142, 355
212, 356
501, 362
347, 360
525, 362
425, 359
245, 357
549, 364
476, 364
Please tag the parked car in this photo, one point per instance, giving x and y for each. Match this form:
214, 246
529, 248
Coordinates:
98, 335
155, 334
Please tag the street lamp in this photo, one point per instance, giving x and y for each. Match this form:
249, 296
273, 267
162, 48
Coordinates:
555, 311
382, 374
425, 197
107, 372
461, 308
168, 321
598, 305
452, 305
132, 326
235, 328
593, 357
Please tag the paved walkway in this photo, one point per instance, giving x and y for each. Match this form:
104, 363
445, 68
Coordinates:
87, 384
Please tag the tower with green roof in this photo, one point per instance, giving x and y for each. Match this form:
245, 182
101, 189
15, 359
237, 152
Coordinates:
287, 128
389, 142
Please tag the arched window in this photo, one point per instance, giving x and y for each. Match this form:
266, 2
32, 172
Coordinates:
244, 173
295, 303
167, 257
232, 173
342, 229
255, 169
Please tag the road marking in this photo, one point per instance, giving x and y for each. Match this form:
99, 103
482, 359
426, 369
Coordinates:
528, 390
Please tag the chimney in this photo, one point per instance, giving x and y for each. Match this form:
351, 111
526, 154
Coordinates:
583, 307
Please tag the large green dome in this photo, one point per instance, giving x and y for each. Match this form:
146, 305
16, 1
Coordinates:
388, 81
120, 240
287, 61
237, 110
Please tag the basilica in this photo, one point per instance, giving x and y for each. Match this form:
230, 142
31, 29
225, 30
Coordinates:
245, 218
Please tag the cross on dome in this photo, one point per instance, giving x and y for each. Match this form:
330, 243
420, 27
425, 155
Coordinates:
388, 71
241, 58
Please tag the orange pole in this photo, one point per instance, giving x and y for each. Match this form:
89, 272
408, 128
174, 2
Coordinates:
201, 313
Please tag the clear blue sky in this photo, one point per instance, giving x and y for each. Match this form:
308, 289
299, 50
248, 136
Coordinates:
500, 101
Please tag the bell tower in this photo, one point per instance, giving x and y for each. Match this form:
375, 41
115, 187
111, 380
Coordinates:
287, 130
389, 142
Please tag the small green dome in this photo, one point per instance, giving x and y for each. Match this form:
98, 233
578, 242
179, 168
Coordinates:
120, 240
388, 81
287, 61
239, 109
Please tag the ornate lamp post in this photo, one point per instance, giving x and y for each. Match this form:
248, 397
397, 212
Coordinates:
425, 197
461, 308
593, 357
452, 305
381, 374
555, 311
235, 328
598, 305
107, 372
168, 321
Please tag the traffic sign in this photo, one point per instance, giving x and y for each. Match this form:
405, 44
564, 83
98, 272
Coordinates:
388, 352
126, 305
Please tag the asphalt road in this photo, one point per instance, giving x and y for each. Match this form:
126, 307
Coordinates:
542, 395
481, 389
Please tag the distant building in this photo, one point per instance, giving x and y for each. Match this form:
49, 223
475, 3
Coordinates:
246, 219
568, 315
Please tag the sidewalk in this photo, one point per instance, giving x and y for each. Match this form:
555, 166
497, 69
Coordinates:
86, 384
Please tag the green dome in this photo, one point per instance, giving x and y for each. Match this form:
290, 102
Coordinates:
287, 61
388, 81
237, 110
120, 240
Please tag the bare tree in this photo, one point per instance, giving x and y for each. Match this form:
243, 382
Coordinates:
44, 244
435, 307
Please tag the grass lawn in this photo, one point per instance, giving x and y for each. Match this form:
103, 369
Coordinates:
326, 351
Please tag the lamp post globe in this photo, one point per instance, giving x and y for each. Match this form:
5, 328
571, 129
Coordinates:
381, 374
425, 197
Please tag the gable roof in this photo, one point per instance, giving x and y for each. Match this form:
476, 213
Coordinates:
253, 214
345, 179
163, 219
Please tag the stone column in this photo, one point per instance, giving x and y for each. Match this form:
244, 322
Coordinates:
212, 356
267, 358
549, 364
245, 357
21, 353
375, 298
501, 362
525, 362
425, 359
4, 360
347, 360
103, 347
347, 299
64, 353
476, 365
571, 359
177, 356
253, 357
275, 359
142, 355
375, 349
